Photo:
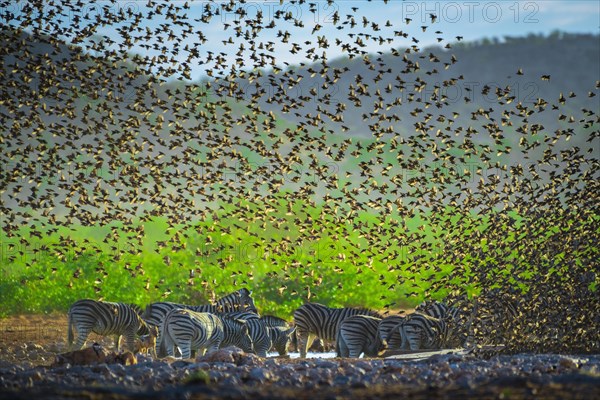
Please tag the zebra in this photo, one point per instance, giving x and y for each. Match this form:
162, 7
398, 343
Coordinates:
281, 337
236, 334
272, 321
393, 340
495, 313
457, 334
438, 310
105, 318
190, 330
258, 330
282, 334
359, 334
421, 331
245, 315
314, 319
240, 300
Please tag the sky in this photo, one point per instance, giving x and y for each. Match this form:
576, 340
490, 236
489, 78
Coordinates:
471, 20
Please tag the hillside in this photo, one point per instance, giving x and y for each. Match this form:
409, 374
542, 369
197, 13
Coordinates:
78, 105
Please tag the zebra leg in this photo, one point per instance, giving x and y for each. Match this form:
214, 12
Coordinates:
414, 339
303, 342
342, 346
117, 342
186, 349
69, 332
294, 342
167, 344
403, 338
355, 348
130, 340
82, 335
214, 346
370, 349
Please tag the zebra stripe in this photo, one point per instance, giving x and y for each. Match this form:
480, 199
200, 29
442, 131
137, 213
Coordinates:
438, 310
272, 321
236, 334
282, 334
189, 331
387, 324
314, 319
104, 318
420, 331
240, 300
258, 330
261, 338
494, 314
359, 334
245, 315
458, 324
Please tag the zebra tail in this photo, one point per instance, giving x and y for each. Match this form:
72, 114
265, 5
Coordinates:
162, 339
162, 346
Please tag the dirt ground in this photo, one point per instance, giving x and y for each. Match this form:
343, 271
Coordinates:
40, 329
34, 340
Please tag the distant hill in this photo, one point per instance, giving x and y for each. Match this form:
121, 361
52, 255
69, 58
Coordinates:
571, 60
73, 102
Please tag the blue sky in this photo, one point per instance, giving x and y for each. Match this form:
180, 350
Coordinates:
470, 19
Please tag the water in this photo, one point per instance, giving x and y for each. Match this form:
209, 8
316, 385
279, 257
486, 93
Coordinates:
308, 355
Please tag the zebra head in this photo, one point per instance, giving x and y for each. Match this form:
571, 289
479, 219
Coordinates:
281, 338
245, 340
144, 328
246, 300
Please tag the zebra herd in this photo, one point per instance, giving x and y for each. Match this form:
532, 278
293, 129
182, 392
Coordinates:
233, 321
433, 325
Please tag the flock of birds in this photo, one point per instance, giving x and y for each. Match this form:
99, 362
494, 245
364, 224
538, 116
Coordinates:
94, 134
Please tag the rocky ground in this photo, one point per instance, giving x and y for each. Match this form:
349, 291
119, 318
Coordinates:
26, 373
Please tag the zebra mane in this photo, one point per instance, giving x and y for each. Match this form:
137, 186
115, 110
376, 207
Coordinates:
362, 310
371, 313
243, 315
138, 310
272, 319
366, 311
144, 328
233, 319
